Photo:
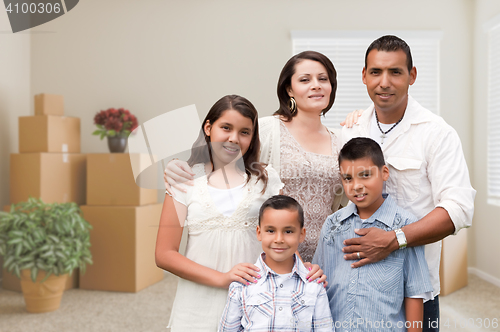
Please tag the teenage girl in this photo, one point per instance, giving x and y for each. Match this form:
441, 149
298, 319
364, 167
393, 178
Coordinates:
221, 215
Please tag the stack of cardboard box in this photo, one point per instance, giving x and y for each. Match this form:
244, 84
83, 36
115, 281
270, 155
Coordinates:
49, 164
125, 222
453, 269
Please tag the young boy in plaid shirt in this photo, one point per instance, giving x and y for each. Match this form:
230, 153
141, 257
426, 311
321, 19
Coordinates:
283, 299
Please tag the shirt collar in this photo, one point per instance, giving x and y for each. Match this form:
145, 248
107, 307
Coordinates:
414, 113
347, 211
298, 268
386, 213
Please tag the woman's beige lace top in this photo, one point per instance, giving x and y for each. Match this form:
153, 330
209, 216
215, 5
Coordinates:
312, 180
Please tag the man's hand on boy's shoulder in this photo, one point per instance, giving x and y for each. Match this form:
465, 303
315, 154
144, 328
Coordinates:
374, 245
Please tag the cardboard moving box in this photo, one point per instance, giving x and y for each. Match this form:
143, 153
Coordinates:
53, 177
453, 273
49, 133
123, 242
48, 104
110, 180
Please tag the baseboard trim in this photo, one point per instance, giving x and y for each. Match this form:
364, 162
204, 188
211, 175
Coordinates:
485, 276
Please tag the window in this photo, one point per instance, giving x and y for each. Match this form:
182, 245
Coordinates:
492, 28
346, 49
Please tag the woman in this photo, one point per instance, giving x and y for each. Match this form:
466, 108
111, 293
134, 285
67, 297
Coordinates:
298, 146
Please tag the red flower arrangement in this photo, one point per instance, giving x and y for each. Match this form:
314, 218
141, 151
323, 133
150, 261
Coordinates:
114, 122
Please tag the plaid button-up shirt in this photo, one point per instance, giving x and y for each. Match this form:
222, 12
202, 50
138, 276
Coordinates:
277, 303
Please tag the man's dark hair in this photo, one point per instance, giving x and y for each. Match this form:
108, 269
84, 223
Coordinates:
391, 43
362, 147
282, 202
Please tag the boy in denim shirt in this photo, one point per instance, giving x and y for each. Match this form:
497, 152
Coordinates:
383, 296
282, 299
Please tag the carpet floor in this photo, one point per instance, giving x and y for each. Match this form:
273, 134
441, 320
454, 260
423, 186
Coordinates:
149, 309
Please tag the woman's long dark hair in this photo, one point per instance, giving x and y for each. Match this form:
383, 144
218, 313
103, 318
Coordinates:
285, 81
201, 151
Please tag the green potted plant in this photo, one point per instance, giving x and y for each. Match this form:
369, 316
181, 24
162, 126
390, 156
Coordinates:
116, 125
41, 244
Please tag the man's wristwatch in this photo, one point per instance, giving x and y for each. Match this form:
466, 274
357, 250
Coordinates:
400, 236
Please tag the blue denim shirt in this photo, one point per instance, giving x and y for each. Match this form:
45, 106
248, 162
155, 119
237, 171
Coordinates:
371, 297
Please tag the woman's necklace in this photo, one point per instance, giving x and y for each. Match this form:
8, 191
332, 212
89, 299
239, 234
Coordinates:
384, 133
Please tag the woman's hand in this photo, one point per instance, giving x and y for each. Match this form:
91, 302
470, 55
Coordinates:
352, 118
244, 273
315, 273
176, 173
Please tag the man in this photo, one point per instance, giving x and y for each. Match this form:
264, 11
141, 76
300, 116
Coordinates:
429, 176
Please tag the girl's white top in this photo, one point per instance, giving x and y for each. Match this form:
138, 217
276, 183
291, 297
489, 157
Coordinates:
226, 200
218, 242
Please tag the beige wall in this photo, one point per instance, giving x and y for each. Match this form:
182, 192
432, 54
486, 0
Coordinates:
484, 244
155, 56
14, 97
